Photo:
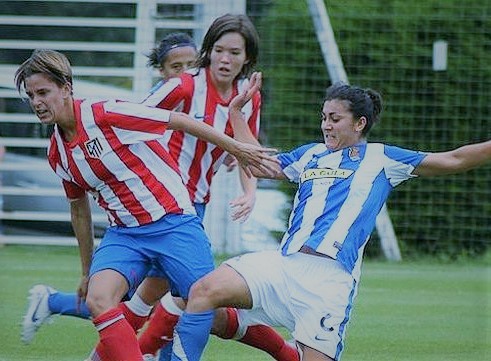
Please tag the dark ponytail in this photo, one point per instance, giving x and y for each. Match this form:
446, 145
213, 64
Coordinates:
362, 102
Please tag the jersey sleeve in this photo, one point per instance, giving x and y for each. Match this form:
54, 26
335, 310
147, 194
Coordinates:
292, 163
400, 163
171, 94
135, 123
72, 191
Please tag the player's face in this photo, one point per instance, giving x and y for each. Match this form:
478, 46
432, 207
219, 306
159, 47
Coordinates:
47, 99
227, 58
177, 61
339, 128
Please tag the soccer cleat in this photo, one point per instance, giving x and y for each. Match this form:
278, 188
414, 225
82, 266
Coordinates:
37, 313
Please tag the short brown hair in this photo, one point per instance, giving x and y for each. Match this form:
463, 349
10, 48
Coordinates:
43, 61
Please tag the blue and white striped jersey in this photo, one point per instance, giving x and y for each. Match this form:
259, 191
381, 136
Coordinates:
340, 194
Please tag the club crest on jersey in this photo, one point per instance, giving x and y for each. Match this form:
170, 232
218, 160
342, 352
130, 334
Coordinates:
354, 153
319, 173
94, 148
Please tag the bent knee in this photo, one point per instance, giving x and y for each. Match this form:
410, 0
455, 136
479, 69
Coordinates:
203, 289
221, 288
99, 303
204, 295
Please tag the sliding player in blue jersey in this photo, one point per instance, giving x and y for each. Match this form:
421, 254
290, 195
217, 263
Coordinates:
309, 284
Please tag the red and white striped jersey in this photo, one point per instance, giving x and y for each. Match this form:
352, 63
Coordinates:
115, 156
193, 93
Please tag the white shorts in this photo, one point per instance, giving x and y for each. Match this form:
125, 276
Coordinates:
309, 295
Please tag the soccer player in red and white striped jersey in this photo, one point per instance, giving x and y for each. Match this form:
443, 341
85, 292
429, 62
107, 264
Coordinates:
174, 54
204, 94
109, 149
227, 57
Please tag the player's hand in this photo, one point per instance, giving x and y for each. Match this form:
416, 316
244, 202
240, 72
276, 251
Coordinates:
242, 207
255, 83
257, 157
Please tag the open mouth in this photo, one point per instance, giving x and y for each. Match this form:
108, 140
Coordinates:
41, 113
328, 136
224, 71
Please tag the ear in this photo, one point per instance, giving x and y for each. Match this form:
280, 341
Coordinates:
361, 124
67, 90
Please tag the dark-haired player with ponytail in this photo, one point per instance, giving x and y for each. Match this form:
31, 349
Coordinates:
310, 283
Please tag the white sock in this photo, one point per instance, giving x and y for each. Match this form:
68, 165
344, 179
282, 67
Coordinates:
168, 304
138, 306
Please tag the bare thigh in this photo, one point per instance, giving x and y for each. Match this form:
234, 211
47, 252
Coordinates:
152, 289
223, 287
309, 354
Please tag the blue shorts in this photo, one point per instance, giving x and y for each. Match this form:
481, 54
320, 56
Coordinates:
200, 212
176, 245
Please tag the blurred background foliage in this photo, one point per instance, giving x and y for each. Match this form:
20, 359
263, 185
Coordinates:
386, 45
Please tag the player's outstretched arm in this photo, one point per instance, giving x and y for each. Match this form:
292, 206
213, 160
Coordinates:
250, 156
458, 160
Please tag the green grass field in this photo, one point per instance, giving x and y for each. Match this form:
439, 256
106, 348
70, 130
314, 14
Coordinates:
425, 311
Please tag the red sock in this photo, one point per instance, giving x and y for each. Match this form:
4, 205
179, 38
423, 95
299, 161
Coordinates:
232, 323
268, 339
159, 332
117, 337
135, 321
261, 337
99, 354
